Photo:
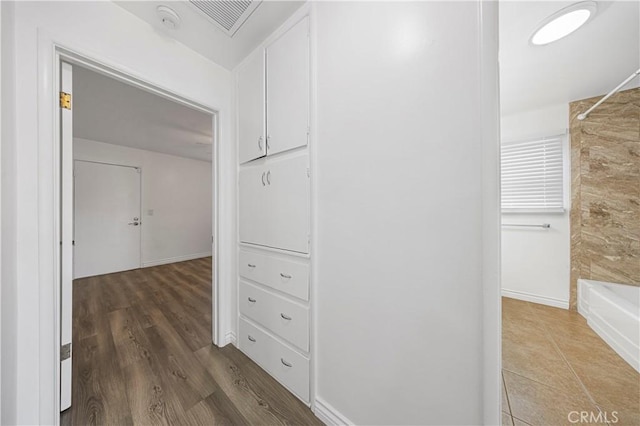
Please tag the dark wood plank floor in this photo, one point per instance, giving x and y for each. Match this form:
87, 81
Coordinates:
143, 355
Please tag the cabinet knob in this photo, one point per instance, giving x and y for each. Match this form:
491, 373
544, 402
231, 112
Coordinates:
263, 184
268, 144
269, 177
260, 143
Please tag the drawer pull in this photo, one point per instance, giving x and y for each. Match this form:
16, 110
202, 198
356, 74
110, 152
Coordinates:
251, 300
250, 265
285, 276
285, 317
251, 339
285, 363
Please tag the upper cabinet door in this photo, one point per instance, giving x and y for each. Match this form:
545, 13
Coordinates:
251, 109
288, 89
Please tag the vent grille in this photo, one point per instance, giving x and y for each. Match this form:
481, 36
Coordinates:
228, 15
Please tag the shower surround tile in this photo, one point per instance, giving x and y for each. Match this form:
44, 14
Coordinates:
605, 191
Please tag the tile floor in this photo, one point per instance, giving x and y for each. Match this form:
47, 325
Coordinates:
554, 364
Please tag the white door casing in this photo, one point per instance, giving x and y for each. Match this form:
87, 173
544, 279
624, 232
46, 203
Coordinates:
107, 218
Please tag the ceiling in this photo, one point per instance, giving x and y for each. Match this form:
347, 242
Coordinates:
590, 62
106, 110
199, 34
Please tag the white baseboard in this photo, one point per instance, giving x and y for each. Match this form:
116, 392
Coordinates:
174, 259
329, 415
528, 297
230, 337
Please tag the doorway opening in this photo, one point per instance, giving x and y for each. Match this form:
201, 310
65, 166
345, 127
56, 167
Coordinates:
138, 216
563, 178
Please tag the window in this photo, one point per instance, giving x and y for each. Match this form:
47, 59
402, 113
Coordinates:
532, 175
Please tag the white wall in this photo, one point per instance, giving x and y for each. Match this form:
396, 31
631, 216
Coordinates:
8, 284
400, 179
536, 262
110, 34
179, 192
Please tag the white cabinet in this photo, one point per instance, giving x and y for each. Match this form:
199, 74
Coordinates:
251, 109
285, 364
287, 319
288, 89
274, 208
273, 99
286, 275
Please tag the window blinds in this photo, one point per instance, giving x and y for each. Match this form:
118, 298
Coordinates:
531, 173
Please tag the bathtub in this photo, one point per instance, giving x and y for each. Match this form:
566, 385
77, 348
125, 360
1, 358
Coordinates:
613, 312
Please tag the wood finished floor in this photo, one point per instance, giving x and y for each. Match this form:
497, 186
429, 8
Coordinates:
143, 355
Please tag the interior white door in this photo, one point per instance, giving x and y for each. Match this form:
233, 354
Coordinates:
288, 89
251, 109
66, 237
107, 218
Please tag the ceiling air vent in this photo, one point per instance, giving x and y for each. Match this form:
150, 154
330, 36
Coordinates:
228, 15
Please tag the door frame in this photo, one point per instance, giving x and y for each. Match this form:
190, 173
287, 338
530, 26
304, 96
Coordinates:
140, 172
51, 54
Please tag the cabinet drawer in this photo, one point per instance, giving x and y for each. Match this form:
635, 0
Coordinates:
286, 365
285, 275
283, 317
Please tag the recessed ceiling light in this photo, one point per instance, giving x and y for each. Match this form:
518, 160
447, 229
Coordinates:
168, 17
563, 22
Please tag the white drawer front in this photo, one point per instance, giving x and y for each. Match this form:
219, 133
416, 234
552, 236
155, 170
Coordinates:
283, 317
289, 367
288, 276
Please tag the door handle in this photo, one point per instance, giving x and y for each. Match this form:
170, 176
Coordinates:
285, 363
134, 223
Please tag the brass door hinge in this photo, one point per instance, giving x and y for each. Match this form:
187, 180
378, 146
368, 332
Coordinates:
65, 100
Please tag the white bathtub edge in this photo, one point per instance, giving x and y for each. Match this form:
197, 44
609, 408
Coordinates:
615, 340
596, 302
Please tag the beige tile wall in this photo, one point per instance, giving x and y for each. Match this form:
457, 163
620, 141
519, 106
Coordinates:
605, 191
